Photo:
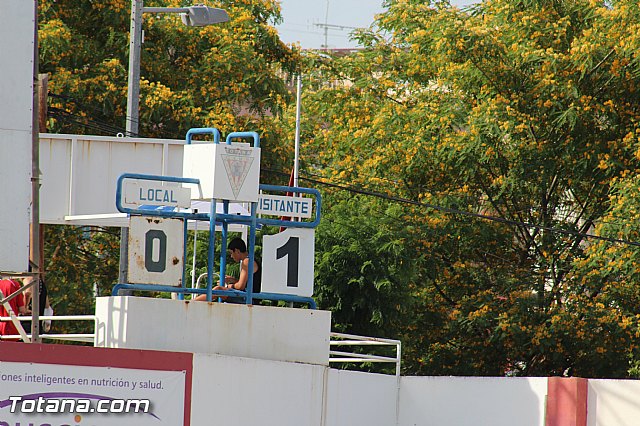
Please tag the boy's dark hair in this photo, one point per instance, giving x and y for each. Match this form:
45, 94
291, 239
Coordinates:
237, 243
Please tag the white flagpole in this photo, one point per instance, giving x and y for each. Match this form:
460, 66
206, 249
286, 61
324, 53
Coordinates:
297, 140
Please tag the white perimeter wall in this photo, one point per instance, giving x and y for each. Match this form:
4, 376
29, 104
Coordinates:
260, 365
243, 391
613, 403
355, 398
16, 104
472, 401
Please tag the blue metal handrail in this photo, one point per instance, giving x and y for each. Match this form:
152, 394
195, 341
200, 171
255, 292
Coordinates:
203, 131
245, 135
223, 219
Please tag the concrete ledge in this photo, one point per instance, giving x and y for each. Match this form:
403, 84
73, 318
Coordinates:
262, 332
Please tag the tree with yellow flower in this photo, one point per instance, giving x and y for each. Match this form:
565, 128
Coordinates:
227, 76
509, 130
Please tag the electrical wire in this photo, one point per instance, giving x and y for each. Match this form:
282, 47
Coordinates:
394, 182
106, 127
68, 117
450, 210
65, 115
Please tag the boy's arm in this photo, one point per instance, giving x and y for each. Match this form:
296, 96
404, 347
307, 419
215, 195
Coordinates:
244, 275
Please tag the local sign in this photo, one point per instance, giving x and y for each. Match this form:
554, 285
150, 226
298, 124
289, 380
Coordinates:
141, 193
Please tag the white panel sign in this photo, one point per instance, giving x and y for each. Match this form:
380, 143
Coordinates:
149, 193
287, 262
16, 95
40, 391
278, 205
79, 173
156, 250
226, 172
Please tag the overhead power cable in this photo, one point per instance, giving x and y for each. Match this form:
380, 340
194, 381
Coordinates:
68, 117
105, 127
450, 210
109, 128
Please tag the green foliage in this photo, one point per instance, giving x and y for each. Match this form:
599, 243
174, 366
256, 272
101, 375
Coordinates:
80, 263
524, 111
225, 76
363, 267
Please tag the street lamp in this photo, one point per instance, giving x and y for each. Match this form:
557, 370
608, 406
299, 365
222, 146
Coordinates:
193, 16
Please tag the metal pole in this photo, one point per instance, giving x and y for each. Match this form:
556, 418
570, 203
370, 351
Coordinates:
296, 155
326, 28
124, 260
212, 249
133, 89
133, 104
297, 141
35, 189
223, 243
195, 246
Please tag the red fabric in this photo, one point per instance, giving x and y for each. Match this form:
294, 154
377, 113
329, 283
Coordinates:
9, 287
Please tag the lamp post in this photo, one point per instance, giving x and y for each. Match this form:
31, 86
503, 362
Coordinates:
193, 16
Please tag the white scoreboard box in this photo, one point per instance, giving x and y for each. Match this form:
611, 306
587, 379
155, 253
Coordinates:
226, 172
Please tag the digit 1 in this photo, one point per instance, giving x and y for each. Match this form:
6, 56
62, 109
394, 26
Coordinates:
161, 264
291, 249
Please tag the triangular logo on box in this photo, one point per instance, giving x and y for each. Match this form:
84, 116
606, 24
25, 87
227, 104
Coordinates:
237, 163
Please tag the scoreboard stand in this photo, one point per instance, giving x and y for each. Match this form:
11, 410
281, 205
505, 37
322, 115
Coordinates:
159, 208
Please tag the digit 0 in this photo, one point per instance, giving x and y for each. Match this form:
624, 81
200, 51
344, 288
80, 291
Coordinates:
160, 264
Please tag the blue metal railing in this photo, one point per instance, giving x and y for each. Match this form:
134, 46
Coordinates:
204, 131
223, 219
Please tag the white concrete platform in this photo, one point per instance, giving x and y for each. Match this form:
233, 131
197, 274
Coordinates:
261, 332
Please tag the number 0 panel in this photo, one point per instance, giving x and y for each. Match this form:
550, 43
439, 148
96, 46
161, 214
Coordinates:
155, 250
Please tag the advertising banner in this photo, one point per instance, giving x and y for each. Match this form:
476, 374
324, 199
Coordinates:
76, 395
